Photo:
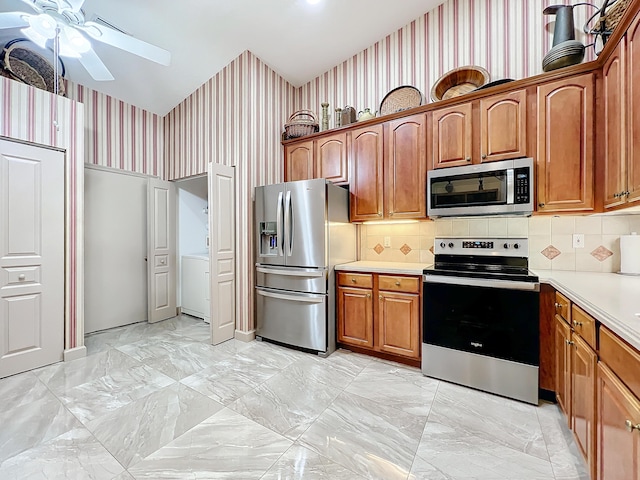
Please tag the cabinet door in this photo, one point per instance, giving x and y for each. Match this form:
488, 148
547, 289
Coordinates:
331, 158
633, 109
367, 150
565, 145
451, 141
583, 396
406, 168
298, 161
503, 126
613, 128
355, 316
563, 367
618, 437
398, 324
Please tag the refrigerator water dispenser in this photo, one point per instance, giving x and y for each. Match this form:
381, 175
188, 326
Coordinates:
268, 239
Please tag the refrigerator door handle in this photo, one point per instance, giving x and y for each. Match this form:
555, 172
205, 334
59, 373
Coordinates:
279, 232
293, 273
292, 298
288, 227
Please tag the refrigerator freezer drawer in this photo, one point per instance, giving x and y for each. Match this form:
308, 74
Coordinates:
312, 280
292, 318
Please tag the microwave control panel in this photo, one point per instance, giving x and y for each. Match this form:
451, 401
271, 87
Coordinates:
522, 185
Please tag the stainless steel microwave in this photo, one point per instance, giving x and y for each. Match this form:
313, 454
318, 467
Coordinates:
495, 188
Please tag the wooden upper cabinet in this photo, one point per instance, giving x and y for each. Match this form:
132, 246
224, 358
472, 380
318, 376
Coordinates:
565, 164
366, 186
633, 111
613, 127
618, 420
406, 168
298, 161
331, 158
451, 136
503, 126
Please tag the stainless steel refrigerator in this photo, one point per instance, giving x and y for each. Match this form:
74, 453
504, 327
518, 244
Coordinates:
302, 232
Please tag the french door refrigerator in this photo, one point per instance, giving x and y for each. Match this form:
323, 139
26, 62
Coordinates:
302, 231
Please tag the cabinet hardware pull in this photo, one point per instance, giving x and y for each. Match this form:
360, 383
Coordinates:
368, 295
21, 276
391, 214
484, 156
398, 283
468, 159
541, 205
627, 193
353, 280
577, 324
559, 305
569, 342
379, 214
380, 297
630, 426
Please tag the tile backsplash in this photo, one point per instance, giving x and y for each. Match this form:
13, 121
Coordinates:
550, 239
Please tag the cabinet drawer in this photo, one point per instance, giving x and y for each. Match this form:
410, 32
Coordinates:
563, 307
399, 284
584, 325
364, 280
621, 358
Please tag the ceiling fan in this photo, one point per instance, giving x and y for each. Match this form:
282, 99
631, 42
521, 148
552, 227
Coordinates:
66, 20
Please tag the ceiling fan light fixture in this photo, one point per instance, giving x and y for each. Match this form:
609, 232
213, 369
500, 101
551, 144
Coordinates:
34, 36
44, 24
76, 40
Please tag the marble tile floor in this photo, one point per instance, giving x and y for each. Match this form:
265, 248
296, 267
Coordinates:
158, 402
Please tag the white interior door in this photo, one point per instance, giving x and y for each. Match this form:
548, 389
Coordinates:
161, 238
31, 257
115, 247
222, 252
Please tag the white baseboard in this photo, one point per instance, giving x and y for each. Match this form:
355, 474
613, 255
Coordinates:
245, 336
74, 353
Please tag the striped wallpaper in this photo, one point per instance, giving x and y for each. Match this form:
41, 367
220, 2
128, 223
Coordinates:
119, 135
508, 38
30, 114
234, 119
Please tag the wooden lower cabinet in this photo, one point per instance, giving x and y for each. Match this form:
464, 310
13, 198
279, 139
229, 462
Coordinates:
355, 316
391, 324
563, 366
618, 429
583, 397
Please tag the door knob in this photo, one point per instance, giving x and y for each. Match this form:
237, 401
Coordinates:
630, 426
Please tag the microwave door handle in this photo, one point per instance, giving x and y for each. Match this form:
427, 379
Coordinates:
288, 224
510, 186
279, 226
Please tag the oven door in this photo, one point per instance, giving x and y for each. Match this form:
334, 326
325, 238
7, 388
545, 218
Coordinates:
494, 318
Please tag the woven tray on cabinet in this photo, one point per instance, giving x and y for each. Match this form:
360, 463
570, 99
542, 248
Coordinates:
301, 123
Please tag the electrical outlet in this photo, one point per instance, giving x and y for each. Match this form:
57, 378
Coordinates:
387, 242
578, 240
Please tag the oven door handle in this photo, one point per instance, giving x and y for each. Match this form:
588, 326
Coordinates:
482, 282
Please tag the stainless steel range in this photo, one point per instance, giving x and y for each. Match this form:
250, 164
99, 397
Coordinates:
481, 309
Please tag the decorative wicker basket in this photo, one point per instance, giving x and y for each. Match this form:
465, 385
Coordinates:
25, 64
610, 18
301, 123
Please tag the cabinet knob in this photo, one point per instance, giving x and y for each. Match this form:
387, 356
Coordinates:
577, 324
617, 195
627, 193
21, 276
379, 214
558, 305
368, 295
568, 342
630, 426
398, 283
541, 205
484, 156
391, 214
380, 297
353, 280
468, 159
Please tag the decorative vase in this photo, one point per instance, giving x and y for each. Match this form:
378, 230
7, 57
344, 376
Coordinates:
325, 116
338, 117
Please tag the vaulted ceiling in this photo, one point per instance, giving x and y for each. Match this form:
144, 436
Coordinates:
296, 39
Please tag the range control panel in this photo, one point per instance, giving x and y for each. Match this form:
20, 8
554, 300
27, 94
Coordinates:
509, 247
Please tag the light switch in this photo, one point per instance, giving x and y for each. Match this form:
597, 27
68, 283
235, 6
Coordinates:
387, 242
578, 240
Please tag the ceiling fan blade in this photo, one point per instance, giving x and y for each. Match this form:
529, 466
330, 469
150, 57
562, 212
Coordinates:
126, 42
12, 20
92, 63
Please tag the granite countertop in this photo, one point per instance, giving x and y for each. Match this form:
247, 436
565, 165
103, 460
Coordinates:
611, 298
384, 267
